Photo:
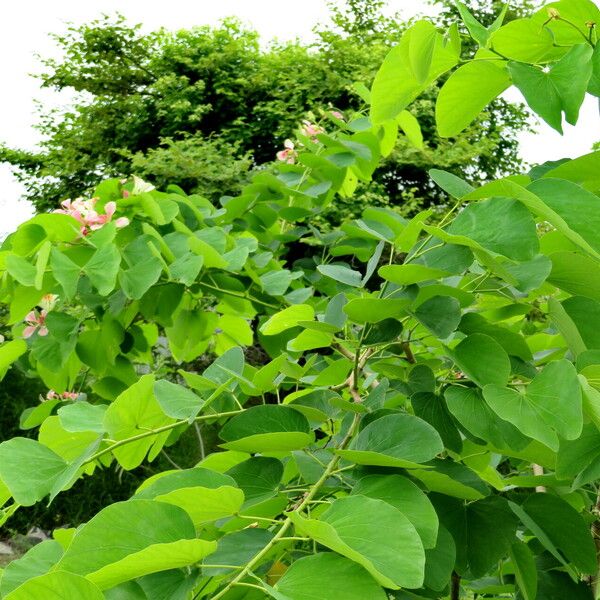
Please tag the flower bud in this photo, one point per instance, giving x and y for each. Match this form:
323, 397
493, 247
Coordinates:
553, 13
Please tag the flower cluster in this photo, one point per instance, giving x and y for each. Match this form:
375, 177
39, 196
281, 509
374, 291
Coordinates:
288, 154
36, 321
85, 212
52, 395
311, 130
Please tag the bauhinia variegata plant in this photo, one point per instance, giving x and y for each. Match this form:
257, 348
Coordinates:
423, 420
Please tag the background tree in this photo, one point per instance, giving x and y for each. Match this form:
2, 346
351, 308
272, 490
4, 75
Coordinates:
201, 107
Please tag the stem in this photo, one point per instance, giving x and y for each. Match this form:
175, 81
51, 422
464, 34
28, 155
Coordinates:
455, 586
286, 524
156, 431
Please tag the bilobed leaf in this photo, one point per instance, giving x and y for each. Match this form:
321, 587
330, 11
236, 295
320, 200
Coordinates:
9, 353
103, 267
323, 575
411, 128
550, 406
420, 49
65, 271
561, 89
57, 585
396, 440
467, 92
267, 428
478, 32
372, 533
440, 314
140, 277
82, 416
133, 412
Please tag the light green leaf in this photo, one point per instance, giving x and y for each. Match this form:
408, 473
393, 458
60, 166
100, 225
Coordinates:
9, 353
140, 277
523, 40
324, 575
267, 428
29, 469
407, 497
372, 533
482, 359
65, 271
478, 32
58, 585
525, 570
287, 318
467, 92
341, 273
440, 314
451, 184
411, 128
102, 269
374, 310
409, 274
396, 440
177, 401
420, 49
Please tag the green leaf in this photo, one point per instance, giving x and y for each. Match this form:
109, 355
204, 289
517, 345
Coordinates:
396, 440
29, 469
341, 273
21, 270
440, 560
65, 271
525, 570
82, 416
561, 89
576, 274
478, 32
551, 404
259, 477
41, 263
451, 184
9, 353
411, 128
420, 49
267, 428
482, 359
129, 539
287, 318
139, 278
236, 549
57, 585
407, 497
440, 314
102, 269
409, 274
432, 409
523, 40
452, 479
501, 225
585, 315
564, 527
374, 310
372, 533
37, 561
135, 411
467, 92
323, 575
395, 86
177, 401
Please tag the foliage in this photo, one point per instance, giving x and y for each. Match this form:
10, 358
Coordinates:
167, 105
421, 414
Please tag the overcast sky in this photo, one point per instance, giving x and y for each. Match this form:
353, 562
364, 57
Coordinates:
25, 26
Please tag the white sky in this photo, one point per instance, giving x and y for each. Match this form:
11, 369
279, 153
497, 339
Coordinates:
24, 28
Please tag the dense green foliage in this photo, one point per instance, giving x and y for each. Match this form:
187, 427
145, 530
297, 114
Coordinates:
402, 408
198, 108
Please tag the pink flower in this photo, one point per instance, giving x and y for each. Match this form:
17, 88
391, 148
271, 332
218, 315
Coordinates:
48, 301
85, 212
35, 322
52, 395
338, 115
288, 154
311, 130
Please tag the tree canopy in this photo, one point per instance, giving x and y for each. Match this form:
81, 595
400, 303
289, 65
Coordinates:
201, 108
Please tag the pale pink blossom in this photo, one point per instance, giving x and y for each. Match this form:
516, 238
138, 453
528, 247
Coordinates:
85, 212
35, 322
338, 115
52, 395
311, 130
288, 154
48, 301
